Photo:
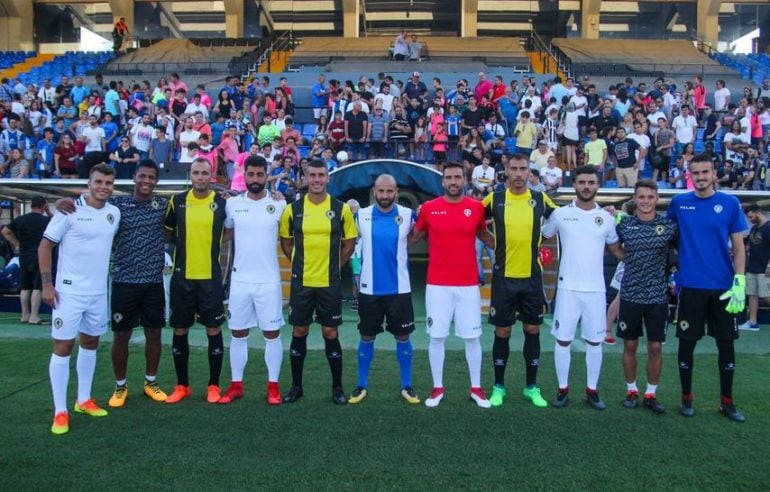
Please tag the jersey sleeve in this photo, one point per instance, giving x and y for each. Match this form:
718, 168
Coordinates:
229, 223
738, 219
57, 227
169, 222
487, 203
285, 228
550, 206
551, 226
422, 219
349, 229
671, 211
482, 222
611, 236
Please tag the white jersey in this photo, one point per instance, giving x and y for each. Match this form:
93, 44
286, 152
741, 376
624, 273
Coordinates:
95, 137
383, 241
85, 243
583, 235
255, 223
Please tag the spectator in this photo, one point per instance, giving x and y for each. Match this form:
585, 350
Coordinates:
16, 167
685, 128
570, 137
483, 177
415, 49
415, 89
228, 150
141, 136
664, 142
624, 153
320, 98
721, 96
377, 137
119, 33
125, 157
45, 152
541, 155
525, 133
356, 129
66, 157
161, 148
401, 47
551, 175
533, 182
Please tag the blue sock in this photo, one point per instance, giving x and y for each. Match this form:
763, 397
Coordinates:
404, 355
365, 357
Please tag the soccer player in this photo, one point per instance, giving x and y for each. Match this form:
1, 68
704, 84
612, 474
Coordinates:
25, 233
79, 299
196, 218
757, 282
584, 229
713, 285
385, 290
255, 288
318, 233
647, 240
452, 222
517, 277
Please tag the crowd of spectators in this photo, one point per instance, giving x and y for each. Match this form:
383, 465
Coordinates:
627, 131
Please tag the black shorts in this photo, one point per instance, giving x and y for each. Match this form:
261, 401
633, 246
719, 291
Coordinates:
699, 308
396, 310
439, 155
512, 295
137, 304
29, 274
634, 319
204, 298
324, 302
566, 141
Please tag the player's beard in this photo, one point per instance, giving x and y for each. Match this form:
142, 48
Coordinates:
586, 198
255, 188
385, 202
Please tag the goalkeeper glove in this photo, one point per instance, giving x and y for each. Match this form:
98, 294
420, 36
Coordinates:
736, 295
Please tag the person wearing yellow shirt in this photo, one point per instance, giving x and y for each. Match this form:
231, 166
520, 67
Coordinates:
525, 133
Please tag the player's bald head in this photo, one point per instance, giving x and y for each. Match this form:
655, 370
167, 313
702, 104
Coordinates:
385, 180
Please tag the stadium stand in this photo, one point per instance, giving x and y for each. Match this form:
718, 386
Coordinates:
70, 64
755, 66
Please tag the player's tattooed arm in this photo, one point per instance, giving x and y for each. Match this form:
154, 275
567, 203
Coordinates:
45, 255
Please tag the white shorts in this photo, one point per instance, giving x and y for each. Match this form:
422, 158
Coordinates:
318, 112
444, 304
617, 279
588, 308
80, 314
255, 305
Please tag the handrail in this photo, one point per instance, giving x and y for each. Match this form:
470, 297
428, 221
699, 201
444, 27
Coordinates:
540, 45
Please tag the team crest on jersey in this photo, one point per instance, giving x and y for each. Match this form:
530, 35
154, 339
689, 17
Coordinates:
622, 325
684, 325
155, 204
467, 212
718, 208
117, 317
213, 206
492, 311
659, 230
330, 214
58, 323
599, 221
270, 209
430, 322
532, 203
110, 218
399, 220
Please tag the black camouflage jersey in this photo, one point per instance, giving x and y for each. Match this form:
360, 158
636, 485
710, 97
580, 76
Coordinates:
138, 253
647, 246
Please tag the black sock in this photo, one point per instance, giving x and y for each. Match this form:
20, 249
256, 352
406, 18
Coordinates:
216, 355
531, 356
726, 368
500, 350
180, 348
334, 356
297, 353
686, 350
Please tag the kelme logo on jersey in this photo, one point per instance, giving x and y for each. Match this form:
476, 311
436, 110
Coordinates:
110, 218
659, 230
399, 220
213, 206
599, 221
718, 208
330, 214
155, 204
117, 317
58, 323
532, 202
622, 325
467, 212
684, 325
430, 321
492, 311
270, 209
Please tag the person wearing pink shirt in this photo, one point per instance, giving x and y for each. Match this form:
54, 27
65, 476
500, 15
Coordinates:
239, 178
228, 150
205, 98
208, 152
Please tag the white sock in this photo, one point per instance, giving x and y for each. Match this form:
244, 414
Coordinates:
562, 356
436, 358
273, 358
150, 379
86, 366
651, 389
59, 372
473, 357
632, 386
593, 365
120, 382
239, 356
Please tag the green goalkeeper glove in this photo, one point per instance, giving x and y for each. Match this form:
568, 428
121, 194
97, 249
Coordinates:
736, 294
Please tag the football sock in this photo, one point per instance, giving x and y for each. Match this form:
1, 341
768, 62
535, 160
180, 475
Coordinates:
86, 366
632, 387
273, 358
436, 358
593, 365
216, 355
365, 357
473, 357
562, 357
726, 368
239, 356
150, 379
334, 356
686, 349
501, 349
651, 389
120, 382
531, 356
297, 353
59, 372
180, 349
404, 353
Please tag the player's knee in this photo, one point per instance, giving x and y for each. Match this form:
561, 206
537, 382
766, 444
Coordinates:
401, 338
181, 332
300, 331
212, 332
152, 334
270, 335
367, 338
329, 332
531, 329
89, 342
503, 331
563, 343
123, 336
654, 349
630, 346
239, 333
593, 344
63, 348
